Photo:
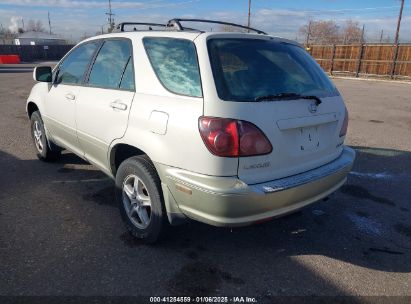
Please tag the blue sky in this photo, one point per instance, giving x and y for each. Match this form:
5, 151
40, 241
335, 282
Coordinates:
72, 19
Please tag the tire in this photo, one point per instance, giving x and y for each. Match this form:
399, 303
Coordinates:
140, 199
40, 141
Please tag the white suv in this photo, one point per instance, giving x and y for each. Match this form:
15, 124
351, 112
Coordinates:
229, 129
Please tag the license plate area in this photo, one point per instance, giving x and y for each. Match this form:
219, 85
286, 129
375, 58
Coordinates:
309, 139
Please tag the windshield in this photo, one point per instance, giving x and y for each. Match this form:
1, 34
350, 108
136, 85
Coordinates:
246, 69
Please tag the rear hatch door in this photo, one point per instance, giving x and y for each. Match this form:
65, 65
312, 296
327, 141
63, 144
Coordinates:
304, 133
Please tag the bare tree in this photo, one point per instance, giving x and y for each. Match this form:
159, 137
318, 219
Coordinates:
352, 32
321, 32
35, 26
85, 36
6, 36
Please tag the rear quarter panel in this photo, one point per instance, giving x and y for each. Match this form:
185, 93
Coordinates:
181, 145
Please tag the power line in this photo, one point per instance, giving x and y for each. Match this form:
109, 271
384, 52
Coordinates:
350, 9
357, 9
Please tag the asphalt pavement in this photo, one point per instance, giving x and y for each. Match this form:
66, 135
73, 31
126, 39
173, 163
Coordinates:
61, 232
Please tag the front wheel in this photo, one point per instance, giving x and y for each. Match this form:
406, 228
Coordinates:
140, 198
38, 133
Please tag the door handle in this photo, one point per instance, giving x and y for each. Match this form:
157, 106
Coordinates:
70, 96
118, 105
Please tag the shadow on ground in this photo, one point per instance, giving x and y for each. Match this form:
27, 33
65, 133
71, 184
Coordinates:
71, 232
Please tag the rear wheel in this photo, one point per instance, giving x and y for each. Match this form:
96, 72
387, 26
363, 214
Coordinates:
42, 145
140, 198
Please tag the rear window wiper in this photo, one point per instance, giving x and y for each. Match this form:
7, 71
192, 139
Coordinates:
287, 96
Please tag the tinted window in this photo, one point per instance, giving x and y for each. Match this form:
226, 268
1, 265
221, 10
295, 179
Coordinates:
71, 70
110, 64
175, 63
244, 69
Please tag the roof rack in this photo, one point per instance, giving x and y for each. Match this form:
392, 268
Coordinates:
120, 26
176, 23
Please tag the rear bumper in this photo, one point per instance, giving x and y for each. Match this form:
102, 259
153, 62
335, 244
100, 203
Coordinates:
227, 201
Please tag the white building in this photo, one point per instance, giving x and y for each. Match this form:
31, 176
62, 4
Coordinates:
38, 38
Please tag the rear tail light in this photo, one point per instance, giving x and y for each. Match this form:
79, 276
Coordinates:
233, 138
344, 127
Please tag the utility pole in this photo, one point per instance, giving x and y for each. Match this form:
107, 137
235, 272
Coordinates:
307, 40
396, 40
110, 17
22, 22
381, 36
249, 14
48, 15
362, 34
397, 33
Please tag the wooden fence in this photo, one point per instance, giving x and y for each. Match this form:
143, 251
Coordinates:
30, 53
380, 60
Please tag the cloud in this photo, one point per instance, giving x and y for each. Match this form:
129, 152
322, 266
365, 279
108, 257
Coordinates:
97, 4
286, 23
75, 21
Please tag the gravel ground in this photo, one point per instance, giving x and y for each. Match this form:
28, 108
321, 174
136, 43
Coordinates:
61, 234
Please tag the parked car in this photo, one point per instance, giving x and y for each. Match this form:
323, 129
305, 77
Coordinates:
229, 129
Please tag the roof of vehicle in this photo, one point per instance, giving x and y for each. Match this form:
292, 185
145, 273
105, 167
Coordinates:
190, 35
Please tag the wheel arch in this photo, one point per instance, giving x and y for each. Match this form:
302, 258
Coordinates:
31, 108
120, 152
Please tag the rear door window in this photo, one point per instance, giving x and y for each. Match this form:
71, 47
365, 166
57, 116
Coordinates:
175, 64
113, 66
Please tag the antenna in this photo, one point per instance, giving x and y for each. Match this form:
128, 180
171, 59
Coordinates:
110, 17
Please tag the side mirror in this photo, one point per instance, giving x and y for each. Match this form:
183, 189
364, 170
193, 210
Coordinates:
42, 73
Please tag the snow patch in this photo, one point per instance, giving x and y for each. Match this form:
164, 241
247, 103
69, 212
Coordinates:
367, 225
381, 175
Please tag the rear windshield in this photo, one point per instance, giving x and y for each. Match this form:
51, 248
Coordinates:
245, 69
